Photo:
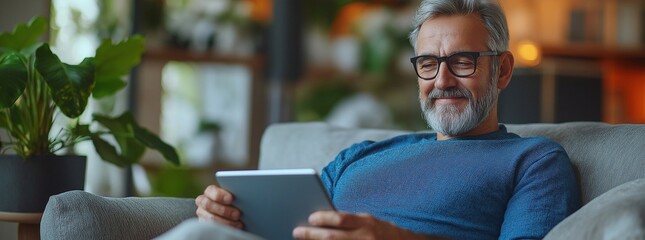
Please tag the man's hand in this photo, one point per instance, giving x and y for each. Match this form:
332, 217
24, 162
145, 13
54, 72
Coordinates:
338, 225
215, 205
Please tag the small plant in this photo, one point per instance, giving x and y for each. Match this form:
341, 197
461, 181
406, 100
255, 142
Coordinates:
34, 83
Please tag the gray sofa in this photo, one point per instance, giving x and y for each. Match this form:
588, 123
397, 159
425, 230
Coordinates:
609, 162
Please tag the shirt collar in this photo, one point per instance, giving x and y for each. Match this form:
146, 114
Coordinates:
501, 133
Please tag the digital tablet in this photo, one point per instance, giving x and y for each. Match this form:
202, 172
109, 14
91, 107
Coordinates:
274, 202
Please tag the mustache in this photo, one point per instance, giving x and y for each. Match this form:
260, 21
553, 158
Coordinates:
452, 92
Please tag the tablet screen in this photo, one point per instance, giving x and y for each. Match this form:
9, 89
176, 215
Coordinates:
274, 202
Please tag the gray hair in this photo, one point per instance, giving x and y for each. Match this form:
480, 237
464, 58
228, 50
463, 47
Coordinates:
491, 13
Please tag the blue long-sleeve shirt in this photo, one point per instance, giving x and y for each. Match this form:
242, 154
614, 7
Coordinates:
491, 186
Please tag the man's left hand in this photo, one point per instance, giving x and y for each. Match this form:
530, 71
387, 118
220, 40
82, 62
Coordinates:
339, 225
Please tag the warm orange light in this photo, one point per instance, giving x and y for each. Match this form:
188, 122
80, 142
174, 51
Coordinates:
347, 16
261, 10
528, 53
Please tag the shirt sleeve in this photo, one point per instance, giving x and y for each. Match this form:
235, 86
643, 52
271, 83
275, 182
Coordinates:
545, 194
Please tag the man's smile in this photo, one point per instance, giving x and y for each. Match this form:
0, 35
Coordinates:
449, 100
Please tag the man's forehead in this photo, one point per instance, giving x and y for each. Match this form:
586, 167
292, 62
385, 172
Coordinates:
454, 25
452, 34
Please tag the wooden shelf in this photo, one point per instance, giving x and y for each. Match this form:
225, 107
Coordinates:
186, 55
28, 223
594, 51
33, 218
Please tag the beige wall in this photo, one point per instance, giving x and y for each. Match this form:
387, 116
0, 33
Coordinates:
13, 12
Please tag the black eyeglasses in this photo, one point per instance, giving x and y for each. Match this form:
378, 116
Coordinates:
461, 64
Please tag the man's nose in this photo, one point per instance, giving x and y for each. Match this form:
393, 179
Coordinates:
445, 79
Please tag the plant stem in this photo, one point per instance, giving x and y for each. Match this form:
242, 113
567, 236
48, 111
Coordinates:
35, 111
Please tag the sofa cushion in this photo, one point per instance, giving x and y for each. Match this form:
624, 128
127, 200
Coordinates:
82, 215
616, 214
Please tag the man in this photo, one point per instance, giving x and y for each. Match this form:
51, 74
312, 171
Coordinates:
470, 180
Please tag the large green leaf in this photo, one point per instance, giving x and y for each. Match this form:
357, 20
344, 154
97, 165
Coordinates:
24, 35
108, 153
113, 61
122, 130
118, 59
107, 86
142, 135
5, 51
105, 150
13, 79
81, 130
133, 139
70, 84
154, 142
3, 119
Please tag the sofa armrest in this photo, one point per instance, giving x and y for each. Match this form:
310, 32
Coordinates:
82, 215
616, 214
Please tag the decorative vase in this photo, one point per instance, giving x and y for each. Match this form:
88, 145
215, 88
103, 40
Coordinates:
27, 184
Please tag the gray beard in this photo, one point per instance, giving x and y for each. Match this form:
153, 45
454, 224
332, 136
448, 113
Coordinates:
449, 119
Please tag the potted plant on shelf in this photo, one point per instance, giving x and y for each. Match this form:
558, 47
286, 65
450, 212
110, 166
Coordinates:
34, 87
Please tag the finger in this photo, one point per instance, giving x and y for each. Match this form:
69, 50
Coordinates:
225, 211
335, 219
218, 194
203, 215
304, 232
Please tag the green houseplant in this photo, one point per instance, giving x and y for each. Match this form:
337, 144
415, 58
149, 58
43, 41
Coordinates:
35, 85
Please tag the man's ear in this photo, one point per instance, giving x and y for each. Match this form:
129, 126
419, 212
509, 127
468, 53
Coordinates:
507, 62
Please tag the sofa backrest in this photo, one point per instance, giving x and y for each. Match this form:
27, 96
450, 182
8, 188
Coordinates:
604, 155
311, 145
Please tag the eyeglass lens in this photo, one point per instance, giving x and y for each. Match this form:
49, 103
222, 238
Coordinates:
461, 65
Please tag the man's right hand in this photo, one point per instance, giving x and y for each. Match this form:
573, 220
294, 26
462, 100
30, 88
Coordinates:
216, 205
